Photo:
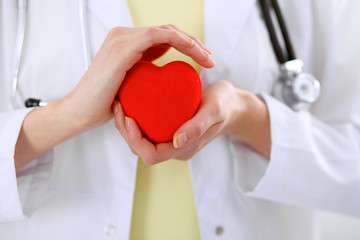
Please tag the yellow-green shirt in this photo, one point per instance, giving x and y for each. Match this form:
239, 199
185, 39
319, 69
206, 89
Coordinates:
164, 206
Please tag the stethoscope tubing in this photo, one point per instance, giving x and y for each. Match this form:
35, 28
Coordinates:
19, 44
84, 33
280, 55
20, 35
284, 58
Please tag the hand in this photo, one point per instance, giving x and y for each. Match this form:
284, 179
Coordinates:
89, 104
223, 110
92, 98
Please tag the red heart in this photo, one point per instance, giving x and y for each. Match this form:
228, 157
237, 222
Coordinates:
160, 99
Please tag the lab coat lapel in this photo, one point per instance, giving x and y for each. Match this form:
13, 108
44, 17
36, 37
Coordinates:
224, 22
111, 13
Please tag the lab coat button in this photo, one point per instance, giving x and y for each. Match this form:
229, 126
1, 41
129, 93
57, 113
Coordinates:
219, 230
109, 230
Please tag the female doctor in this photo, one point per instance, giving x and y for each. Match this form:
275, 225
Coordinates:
257, 167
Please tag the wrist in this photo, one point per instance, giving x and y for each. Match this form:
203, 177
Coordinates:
42, 129
67, 115
251, 123
240, 108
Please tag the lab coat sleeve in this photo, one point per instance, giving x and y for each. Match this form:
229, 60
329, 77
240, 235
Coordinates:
315, 154
22, 191
313, 163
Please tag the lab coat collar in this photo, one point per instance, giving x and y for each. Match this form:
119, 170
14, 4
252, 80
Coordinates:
112, 13
224, 23
226, 15
231, 14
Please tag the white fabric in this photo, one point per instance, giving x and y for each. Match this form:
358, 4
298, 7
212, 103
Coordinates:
83, 188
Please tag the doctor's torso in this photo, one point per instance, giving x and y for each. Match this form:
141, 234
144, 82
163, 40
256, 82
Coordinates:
164, 204
92, 184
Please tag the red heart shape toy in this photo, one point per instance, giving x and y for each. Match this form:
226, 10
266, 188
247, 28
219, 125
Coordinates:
160, 99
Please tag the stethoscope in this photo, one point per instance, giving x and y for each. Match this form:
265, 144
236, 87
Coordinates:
296, 89
20, 35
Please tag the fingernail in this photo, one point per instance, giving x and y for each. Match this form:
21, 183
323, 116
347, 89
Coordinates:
205, 53
180, 140
127, 123
211, 62
116, 108
207, 50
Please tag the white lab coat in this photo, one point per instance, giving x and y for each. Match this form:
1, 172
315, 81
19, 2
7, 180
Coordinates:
83, 188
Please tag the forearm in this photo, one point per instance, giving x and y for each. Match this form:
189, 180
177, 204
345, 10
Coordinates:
44, 128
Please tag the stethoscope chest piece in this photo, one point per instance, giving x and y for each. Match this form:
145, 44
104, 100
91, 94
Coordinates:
297, 89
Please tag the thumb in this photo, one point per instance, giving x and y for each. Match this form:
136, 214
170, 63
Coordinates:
193, 129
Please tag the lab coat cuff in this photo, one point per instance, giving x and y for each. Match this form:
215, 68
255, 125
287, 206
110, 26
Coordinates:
15, 186
283, 140
249, 166
32, 182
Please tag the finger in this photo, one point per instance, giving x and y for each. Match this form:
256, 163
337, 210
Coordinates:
151, 154
133, 151
192, 37
199, 55
139, 143
196, 127
166, 151
155, 52
203, 58
119, 118
156, 35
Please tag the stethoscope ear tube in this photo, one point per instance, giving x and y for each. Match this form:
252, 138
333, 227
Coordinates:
280, 55
84, 33
19, 43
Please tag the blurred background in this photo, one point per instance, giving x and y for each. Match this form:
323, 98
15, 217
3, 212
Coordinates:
339, 227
